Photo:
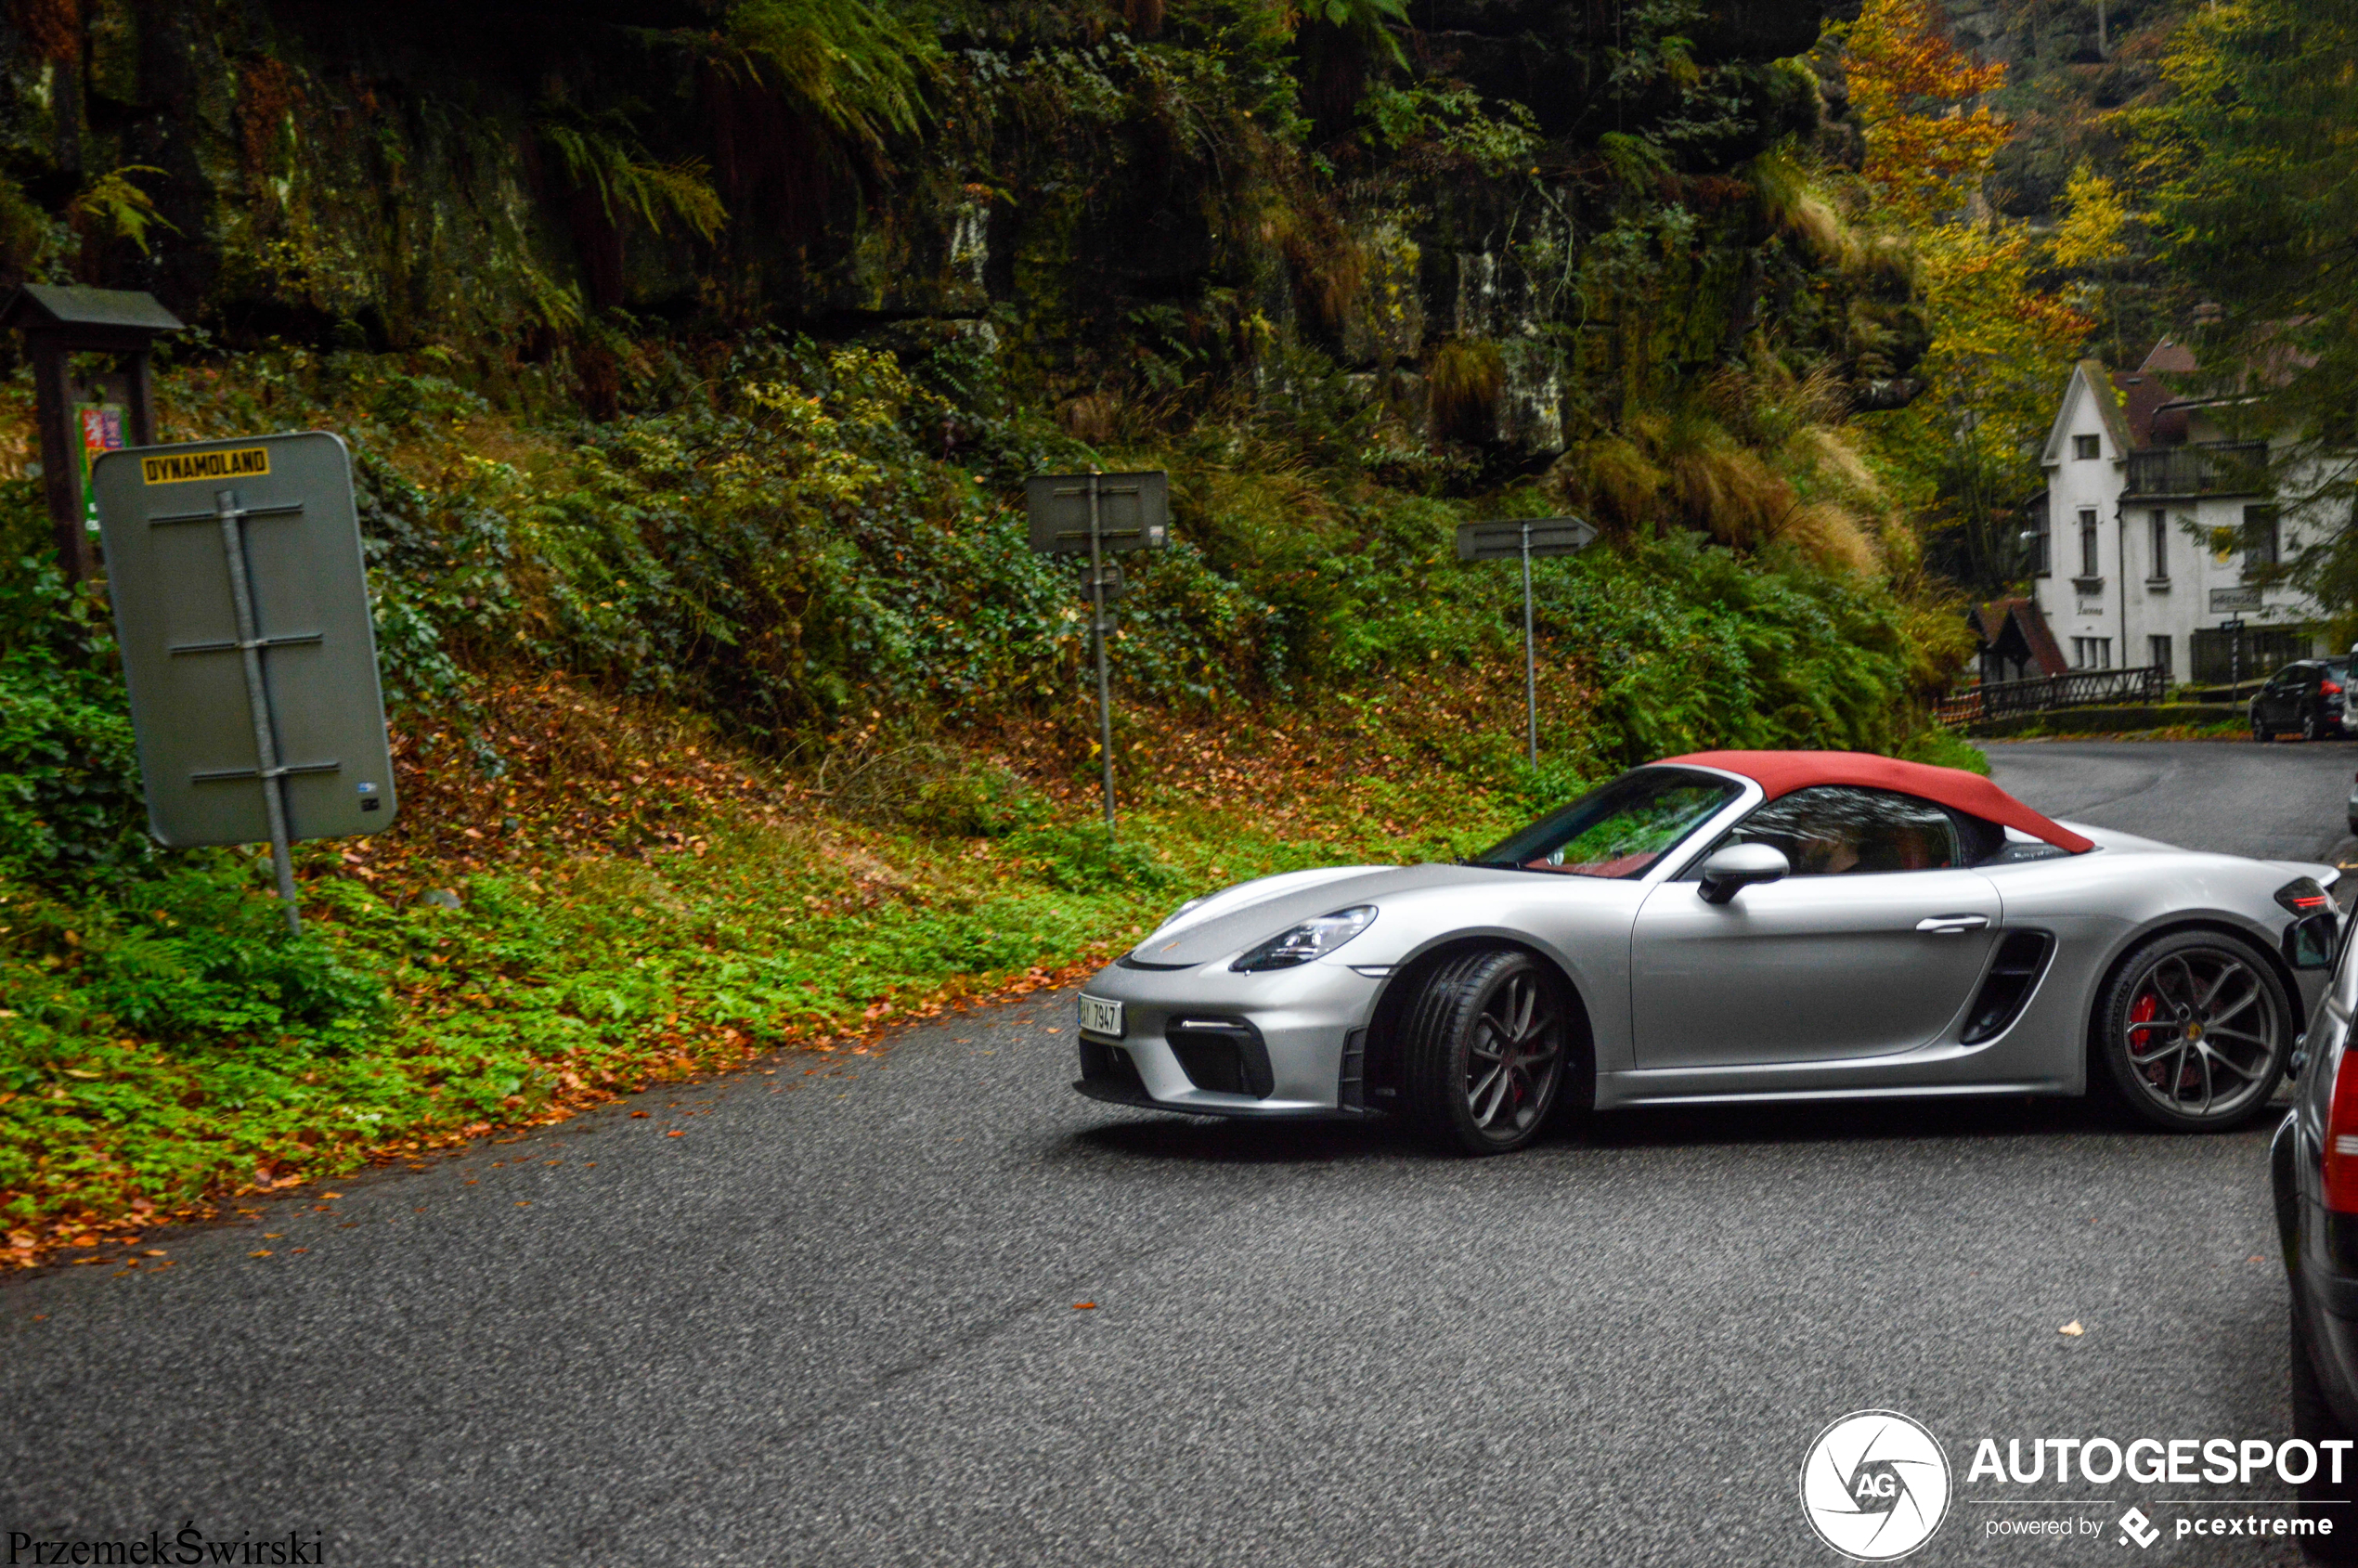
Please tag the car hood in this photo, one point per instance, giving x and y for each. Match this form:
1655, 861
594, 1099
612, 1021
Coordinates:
1251, 913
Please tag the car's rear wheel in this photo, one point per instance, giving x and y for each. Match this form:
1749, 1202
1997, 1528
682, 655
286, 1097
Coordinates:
2321, 1497
1487, 1047
2195, 1029
2311, 726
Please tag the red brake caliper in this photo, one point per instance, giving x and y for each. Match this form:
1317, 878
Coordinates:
2141, 1011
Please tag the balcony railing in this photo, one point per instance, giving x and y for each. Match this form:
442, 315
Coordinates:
2221, 468
2086, 688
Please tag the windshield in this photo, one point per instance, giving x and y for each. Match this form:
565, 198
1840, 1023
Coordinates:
1617, 830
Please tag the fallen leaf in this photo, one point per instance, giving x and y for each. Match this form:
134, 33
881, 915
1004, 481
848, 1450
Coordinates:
264, 1254
2255, 1258
1084, 1307
523, 1202
331, 1197
675, 1133
273, 1236
2073, 1328
299, 1249
158, 1252
637, 1114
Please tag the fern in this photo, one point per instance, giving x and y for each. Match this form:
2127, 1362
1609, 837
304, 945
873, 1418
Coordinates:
850, 64
115, 202
602, 153
1371, 22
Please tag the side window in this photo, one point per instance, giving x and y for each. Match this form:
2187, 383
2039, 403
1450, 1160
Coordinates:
1836, 830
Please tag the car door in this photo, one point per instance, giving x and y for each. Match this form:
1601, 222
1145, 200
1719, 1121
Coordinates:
1872, 945
2279, 699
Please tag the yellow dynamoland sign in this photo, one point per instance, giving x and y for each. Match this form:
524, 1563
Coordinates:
235, 462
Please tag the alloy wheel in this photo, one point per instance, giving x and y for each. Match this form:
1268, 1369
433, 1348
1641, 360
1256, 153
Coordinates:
2201, 1033
1512, 1061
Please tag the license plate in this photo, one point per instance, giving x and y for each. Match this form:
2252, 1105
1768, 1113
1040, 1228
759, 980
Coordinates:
1100, 1016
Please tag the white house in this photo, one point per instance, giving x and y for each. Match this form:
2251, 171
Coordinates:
2119, 577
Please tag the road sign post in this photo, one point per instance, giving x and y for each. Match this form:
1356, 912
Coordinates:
1524, 539
2234, 630
276, 581
1098, 514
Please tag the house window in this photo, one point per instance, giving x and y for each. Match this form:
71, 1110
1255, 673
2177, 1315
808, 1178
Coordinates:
2086, 446
2159, 521
2088, 567
2157, 655
2091, 652
2037, 539
2264, 536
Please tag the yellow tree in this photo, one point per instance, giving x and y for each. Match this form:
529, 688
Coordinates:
1964, 450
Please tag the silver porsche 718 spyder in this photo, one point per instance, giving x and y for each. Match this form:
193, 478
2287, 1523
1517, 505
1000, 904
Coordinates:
1729, 926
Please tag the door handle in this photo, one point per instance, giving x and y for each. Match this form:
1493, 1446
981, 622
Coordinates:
1951, 925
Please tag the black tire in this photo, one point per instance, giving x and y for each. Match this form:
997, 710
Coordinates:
1465, 1007
2311, 728
2261, 732
2180, 1064
2321, 1496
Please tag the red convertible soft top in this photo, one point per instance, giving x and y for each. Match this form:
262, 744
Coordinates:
1782, 772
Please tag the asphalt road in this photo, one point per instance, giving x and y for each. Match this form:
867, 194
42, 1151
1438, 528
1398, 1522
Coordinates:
834, 1321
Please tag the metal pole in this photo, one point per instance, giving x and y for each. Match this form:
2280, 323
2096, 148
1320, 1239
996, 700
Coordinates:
266, 740
1097, 628
1530, 656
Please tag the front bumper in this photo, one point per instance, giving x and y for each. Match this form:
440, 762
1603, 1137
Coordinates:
1293, 1030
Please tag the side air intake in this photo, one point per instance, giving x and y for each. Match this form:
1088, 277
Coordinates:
2013, 974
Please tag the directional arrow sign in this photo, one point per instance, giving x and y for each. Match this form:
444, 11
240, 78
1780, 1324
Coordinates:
1505, 541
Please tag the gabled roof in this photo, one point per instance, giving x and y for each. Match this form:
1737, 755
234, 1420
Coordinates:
50, 306
1782, 772
2089, 379
2029, 623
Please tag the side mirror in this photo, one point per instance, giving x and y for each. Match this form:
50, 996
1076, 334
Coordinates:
1739, 866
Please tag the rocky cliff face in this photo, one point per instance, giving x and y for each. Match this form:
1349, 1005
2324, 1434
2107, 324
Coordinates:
1534, 220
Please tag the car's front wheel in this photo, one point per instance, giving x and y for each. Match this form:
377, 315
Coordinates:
2261, 732
2194, 1031
1486, 1049
2323, 1497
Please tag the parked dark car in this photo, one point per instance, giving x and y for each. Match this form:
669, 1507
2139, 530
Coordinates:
2305, 695
2314, 1165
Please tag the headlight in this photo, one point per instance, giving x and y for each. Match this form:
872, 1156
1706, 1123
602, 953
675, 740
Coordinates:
1311, 939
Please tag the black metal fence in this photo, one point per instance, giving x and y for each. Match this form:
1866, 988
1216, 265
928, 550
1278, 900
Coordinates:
2085, 688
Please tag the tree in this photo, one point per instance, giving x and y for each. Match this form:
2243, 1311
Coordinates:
1965, 450
2254, 177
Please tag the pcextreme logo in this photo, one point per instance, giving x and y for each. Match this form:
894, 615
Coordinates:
1874, 1485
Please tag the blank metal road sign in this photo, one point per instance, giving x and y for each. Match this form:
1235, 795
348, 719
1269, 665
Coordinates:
1504, 541
242, 609
1133, 512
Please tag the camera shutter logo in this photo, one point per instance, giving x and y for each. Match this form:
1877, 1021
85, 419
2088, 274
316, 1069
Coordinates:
1874, 1485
